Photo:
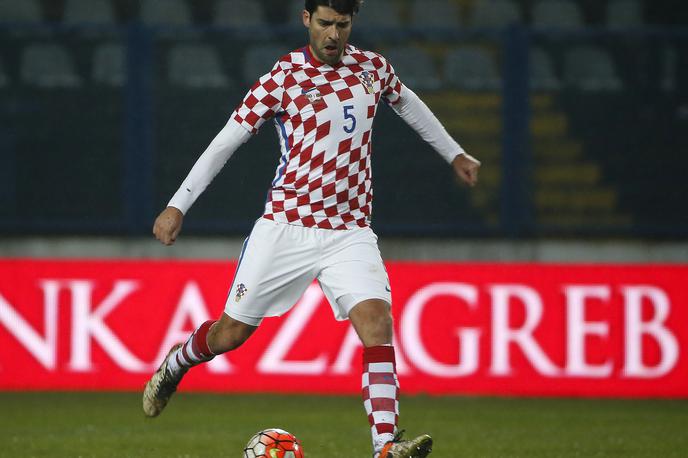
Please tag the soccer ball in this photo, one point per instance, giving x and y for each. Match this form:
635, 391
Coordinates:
273, 443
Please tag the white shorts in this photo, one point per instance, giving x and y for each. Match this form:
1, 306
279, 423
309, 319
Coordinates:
279, 261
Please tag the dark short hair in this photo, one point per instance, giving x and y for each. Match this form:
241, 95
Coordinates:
341, 6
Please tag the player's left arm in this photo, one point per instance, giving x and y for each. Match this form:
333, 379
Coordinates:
417, 115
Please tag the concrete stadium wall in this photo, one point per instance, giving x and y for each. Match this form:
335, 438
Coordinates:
392, 249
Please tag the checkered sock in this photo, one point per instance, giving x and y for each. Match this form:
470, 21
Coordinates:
381, 393
195, 351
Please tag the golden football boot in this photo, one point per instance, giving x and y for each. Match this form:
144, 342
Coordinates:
161, 387
420, 447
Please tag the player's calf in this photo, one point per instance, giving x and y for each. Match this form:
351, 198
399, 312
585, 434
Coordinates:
228, 334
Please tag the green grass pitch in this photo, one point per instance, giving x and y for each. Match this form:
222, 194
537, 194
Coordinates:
85, 425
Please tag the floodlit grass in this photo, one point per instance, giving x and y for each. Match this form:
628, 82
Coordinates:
198, 425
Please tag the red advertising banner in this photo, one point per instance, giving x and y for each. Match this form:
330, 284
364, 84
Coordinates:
505, 329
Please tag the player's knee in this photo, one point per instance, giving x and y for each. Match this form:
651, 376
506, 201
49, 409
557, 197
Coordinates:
228, 334
373, 323
378, 332
384, 323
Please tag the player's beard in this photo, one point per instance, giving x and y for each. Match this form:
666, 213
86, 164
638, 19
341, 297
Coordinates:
330, 56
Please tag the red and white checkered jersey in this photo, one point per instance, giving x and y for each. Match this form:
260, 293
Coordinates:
324, 118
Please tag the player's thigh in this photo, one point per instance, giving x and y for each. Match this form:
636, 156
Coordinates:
277, 264
353, 271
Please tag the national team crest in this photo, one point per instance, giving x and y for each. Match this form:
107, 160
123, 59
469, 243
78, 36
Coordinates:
313, 95
241, 290
367, 80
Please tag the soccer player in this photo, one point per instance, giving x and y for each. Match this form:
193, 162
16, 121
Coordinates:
316, 224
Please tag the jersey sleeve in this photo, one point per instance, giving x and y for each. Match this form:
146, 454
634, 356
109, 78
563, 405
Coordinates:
262, 101
417, 115
392, 87
209, 164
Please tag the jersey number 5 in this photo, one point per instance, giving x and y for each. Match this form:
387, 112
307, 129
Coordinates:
349, 116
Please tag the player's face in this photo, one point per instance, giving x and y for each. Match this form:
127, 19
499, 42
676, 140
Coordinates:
329, 32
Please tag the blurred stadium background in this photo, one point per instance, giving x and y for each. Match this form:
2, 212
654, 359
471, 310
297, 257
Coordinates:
578, 110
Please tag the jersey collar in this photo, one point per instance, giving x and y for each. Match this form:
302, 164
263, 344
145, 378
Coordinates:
311, 59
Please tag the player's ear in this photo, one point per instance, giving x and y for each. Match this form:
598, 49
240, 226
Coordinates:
306, 18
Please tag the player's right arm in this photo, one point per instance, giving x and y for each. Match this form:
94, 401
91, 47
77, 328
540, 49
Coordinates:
169, 223
259, 104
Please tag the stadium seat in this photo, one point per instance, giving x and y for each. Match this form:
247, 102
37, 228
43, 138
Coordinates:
165, 13
295, 9
260, 59
557, 14
88, 12
109, 65
380, 13
431, 14
414, 67
48, 66
669, 68
4, 78
23, 11
239, 13
590, 69
472, 69
495, 13
625, 13
542, 74
195, 66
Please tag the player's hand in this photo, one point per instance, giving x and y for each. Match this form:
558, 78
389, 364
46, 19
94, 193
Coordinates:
168, 225
466, 168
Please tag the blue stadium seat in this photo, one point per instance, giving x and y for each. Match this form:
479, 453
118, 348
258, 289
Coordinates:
589, 68
195, 66
20, 11
472, 69
88, 12
495, 13
431, 14
109, 65
414, 67
49, 66
165, 12
625, 13
239, 13
295, 9
669, 68
543, 76
380, 13
557, 14
4, 78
